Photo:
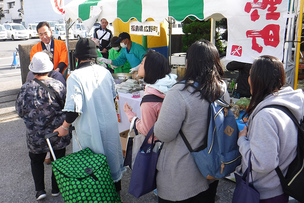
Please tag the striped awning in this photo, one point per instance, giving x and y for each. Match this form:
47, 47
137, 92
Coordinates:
141, 10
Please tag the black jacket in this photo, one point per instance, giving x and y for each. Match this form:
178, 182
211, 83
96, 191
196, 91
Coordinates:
104, 43
242, 80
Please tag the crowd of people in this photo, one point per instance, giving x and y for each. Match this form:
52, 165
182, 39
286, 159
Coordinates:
89, 92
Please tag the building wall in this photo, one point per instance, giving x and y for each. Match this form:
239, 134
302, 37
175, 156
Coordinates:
10, 8
1, 3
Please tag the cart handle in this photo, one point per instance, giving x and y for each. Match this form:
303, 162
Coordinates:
51, 135
47, 137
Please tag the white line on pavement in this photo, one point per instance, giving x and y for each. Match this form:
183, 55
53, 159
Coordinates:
7, 57
3, 65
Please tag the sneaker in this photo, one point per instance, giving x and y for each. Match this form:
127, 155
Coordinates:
40, 195
155, 192
55, 193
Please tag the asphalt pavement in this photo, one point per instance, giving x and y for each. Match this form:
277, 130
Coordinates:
17, 184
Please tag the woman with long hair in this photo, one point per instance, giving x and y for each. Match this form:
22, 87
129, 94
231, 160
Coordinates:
186, 107
271, 136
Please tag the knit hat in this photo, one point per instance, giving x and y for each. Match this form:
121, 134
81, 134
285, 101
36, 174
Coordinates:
41, 63
113, 42
85, 48
122, 36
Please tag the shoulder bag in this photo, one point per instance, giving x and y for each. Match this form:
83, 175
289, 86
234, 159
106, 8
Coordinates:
244, 191
143, 178
52, 92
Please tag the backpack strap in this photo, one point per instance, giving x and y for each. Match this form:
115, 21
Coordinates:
151, 98
293, 118
207, 129
186, 141
286, 111
221, 101
147, 98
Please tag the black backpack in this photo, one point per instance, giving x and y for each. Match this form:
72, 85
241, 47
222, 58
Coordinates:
293, 181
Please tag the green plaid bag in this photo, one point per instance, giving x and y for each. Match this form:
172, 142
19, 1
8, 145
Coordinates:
85, 177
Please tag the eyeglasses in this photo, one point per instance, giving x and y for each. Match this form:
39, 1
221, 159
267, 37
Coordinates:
43, 34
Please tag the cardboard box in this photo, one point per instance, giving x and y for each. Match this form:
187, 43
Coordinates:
123, 145
124, 140
124, 134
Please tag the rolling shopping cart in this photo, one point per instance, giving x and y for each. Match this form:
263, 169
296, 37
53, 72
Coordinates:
83, 176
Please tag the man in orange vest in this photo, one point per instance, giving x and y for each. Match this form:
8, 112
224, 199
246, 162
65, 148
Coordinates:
56, 47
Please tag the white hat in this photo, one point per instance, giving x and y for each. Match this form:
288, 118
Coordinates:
41, 63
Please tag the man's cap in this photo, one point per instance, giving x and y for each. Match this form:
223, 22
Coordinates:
41, 63
122, 36
114, 43
85, 48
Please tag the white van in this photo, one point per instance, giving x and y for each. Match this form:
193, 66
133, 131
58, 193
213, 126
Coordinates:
79, 31
16, 31
52, 25
3, 33
32, 30
91, 33
59, 32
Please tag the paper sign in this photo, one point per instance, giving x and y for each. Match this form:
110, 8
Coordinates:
150, 28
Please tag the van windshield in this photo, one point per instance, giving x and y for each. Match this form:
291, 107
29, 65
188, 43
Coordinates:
2, 28
52, 23
80, 27
18, 27
60, 27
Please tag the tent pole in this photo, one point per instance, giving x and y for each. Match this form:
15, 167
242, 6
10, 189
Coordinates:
144, 41
67, 24
212, 32
288, 38
170, 41
300, 19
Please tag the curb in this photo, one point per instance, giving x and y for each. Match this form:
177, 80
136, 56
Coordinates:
8, 116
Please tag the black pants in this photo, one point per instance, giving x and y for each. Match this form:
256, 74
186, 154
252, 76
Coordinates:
118, 186
37, 167
207, 196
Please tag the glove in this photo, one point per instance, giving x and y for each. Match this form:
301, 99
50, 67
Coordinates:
104, 60
113, 67
134, 69
104, 65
